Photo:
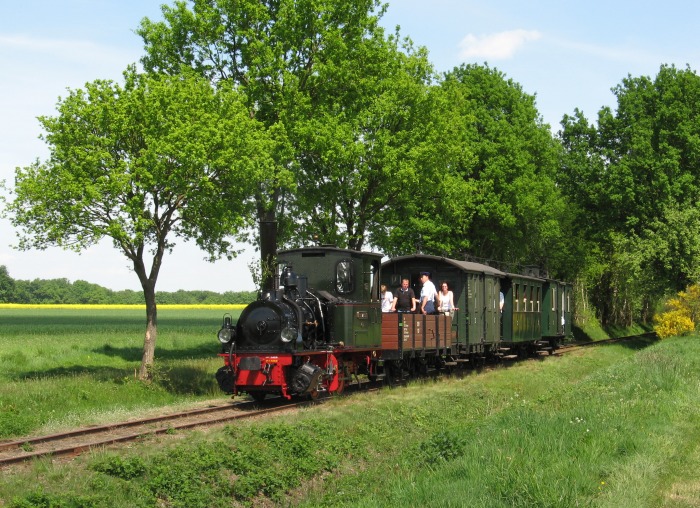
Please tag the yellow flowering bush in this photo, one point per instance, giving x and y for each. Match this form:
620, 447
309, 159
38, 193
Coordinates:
673, 323
681, 315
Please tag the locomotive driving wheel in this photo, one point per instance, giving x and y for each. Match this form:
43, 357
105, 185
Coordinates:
341, 375
336, 383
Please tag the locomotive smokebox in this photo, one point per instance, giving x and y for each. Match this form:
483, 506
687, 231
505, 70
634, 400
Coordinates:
306, 378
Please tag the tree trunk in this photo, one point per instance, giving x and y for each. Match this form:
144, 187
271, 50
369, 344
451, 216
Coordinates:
149, 341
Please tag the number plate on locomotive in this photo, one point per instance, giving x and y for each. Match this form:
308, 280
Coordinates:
250, 363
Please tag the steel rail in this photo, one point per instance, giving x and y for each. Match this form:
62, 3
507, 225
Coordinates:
77, 448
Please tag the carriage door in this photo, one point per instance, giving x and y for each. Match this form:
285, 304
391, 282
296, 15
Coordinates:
475, 308
492, 311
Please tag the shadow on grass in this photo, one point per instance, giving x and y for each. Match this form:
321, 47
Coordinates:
134, 354
97, 373
637, 343
185, 380
176, 380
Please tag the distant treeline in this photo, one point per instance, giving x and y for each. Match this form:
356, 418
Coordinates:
40, 291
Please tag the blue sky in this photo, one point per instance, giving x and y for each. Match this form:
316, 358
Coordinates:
568, 53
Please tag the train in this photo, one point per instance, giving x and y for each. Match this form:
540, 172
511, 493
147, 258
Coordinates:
323, 326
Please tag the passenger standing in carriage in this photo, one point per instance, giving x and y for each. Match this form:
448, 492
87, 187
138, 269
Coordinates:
405, 299
387, 299
446, 303
428, 294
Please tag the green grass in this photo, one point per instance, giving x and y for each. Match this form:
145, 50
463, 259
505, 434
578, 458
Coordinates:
63, 368
611, 427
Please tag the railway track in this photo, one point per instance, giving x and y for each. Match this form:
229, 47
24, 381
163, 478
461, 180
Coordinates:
78, 441
75, 442
583, 345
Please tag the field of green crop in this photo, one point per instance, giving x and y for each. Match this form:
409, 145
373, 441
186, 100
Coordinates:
62, 366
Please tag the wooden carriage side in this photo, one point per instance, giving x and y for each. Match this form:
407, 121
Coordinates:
417, 333
476, 325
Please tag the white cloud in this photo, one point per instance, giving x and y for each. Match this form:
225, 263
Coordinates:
496, 46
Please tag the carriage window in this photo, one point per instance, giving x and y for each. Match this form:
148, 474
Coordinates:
344, 280
517, 297
554, 298
525, 298
532, 300
538, 299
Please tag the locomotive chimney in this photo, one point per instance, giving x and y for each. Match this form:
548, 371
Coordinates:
268, 252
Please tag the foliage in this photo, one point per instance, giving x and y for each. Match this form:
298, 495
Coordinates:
682, 314
43, 500
673, 323
121, 467
137, 163
633, 180
7, 285
43, 291
140, 163
488, 190
441, 447
273, 53
362, 140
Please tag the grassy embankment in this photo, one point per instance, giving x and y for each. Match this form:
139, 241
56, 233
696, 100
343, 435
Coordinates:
613, 426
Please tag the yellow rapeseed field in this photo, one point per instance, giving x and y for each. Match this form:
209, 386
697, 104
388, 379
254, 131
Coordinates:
118, 307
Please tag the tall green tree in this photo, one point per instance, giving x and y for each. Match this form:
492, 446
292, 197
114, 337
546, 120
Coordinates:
7, 286
157, 158
634, 178
493, 195
361, 143
276, 53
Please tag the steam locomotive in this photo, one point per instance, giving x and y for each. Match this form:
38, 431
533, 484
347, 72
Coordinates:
323, 324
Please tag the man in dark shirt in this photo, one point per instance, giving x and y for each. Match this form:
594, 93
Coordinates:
404, 298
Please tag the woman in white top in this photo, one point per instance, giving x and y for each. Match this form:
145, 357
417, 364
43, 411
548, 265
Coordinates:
446, 303
387, 299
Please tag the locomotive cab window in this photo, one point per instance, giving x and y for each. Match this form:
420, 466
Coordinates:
374, 281
344, 280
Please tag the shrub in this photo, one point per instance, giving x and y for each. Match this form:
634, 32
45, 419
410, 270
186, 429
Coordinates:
682, 314
673, 323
